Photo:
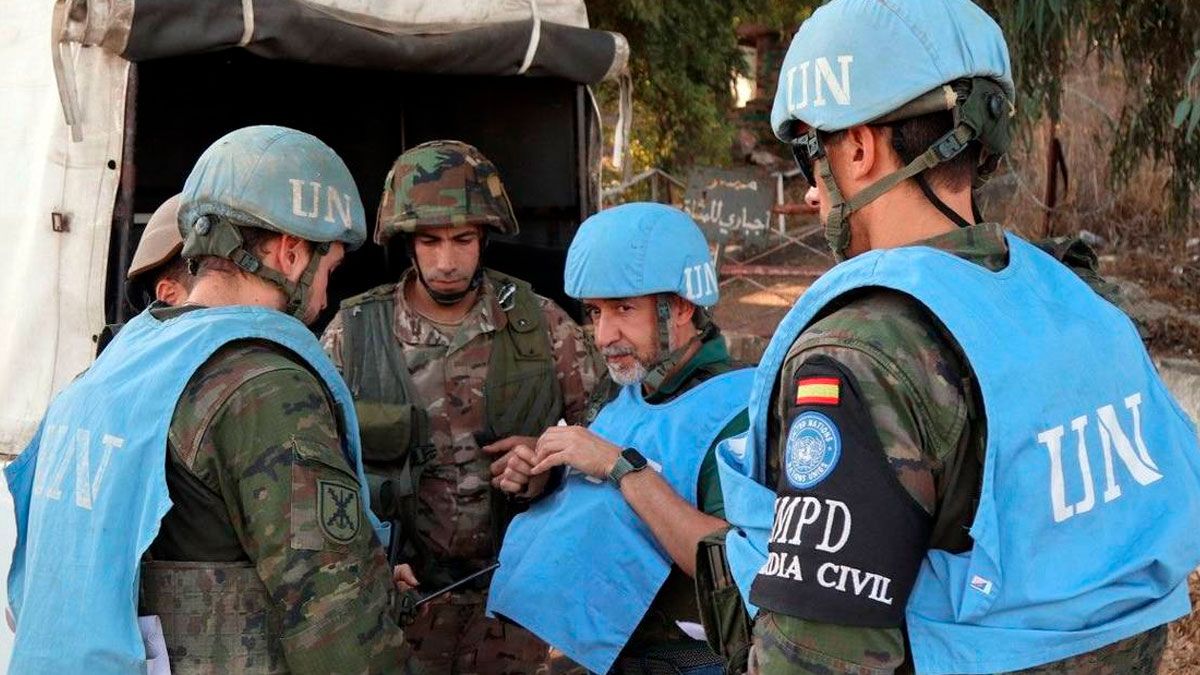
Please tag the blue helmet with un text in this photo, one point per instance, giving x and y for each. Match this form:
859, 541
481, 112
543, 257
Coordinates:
641, 249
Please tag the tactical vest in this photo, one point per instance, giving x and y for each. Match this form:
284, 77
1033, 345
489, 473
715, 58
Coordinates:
1085, 531
580, 568
90, 491
521, 392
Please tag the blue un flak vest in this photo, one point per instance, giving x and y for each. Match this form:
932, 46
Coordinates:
580, 569
1086, 528
90, 489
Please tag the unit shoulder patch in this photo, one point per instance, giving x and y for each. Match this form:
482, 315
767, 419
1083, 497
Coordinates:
338, 511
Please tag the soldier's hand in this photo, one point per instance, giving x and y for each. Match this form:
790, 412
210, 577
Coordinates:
513, 472
403, 577
578, 448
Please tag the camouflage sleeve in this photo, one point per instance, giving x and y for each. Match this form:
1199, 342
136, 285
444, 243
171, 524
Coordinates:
331, 340
293, 500
1082, 260
576, 362
913, 397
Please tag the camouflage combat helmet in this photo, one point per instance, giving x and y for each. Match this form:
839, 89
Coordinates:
275, 179
439, 184
160, 241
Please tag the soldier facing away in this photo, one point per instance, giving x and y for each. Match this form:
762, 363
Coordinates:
452, 368
205, 470
960, 457
157, 271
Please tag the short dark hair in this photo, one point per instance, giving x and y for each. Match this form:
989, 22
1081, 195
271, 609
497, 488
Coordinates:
176, 270
913, 136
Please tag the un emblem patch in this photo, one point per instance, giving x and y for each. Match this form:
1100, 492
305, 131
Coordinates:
338, 511
814, 445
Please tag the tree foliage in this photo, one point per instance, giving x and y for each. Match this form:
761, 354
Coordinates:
1154, 44
685, 51
683, 55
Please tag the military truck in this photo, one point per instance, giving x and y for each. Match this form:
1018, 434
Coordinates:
107, 103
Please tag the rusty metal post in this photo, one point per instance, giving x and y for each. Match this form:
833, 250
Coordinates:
1050, 198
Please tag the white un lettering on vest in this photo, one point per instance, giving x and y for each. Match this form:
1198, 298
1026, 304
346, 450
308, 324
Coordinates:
90, 454
847, 539
1074, 472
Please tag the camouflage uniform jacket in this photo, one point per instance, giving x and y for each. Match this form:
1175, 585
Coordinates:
449, 370
920, 397
253, 437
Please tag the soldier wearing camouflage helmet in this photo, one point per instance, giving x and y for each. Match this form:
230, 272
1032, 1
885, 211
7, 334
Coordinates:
206, 471
960, 458
454, 369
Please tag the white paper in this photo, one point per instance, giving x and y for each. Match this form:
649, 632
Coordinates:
692, 630
157, 662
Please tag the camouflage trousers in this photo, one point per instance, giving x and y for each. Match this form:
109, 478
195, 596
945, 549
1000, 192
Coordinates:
454, 636
776, 651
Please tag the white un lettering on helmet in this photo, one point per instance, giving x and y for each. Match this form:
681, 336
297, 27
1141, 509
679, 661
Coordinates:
699, 282
307, 202
810, 81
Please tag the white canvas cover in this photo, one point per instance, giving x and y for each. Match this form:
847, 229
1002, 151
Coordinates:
439, 16
51, 283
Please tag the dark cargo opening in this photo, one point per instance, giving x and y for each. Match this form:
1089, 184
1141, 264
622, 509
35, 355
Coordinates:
536, 130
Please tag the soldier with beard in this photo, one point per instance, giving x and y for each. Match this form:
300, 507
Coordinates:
602, 568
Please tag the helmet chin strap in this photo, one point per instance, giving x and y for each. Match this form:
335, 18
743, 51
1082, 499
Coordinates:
669, 359
449, 299
837, 225
220, 237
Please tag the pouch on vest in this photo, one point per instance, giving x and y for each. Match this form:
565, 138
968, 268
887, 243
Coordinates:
521, 392
389, 431
216, 617
722, 612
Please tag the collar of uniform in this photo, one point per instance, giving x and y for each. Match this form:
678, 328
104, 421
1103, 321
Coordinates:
164, 312
713, 350
485, 316
982, 244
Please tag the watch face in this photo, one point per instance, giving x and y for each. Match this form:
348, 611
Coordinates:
635, 458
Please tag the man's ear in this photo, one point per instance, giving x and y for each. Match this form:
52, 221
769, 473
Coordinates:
170, 291
681, 311
859, 150
291, 254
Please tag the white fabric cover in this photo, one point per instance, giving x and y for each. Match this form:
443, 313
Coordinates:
52, 284
439, 16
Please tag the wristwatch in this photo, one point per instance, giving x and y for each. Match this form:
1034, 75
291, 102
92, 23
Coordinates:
629, 461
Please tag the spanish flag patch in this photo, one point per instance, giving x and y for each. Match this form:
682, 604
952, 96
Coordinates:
818, 391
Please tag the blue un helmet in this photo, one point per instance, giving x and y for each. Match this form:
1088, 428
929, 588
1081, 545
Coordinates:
641, 249
276, 179
859, 62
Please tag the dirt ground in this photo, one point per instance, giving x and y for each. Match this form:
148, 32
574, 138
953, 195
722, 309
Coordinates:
1165, 287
